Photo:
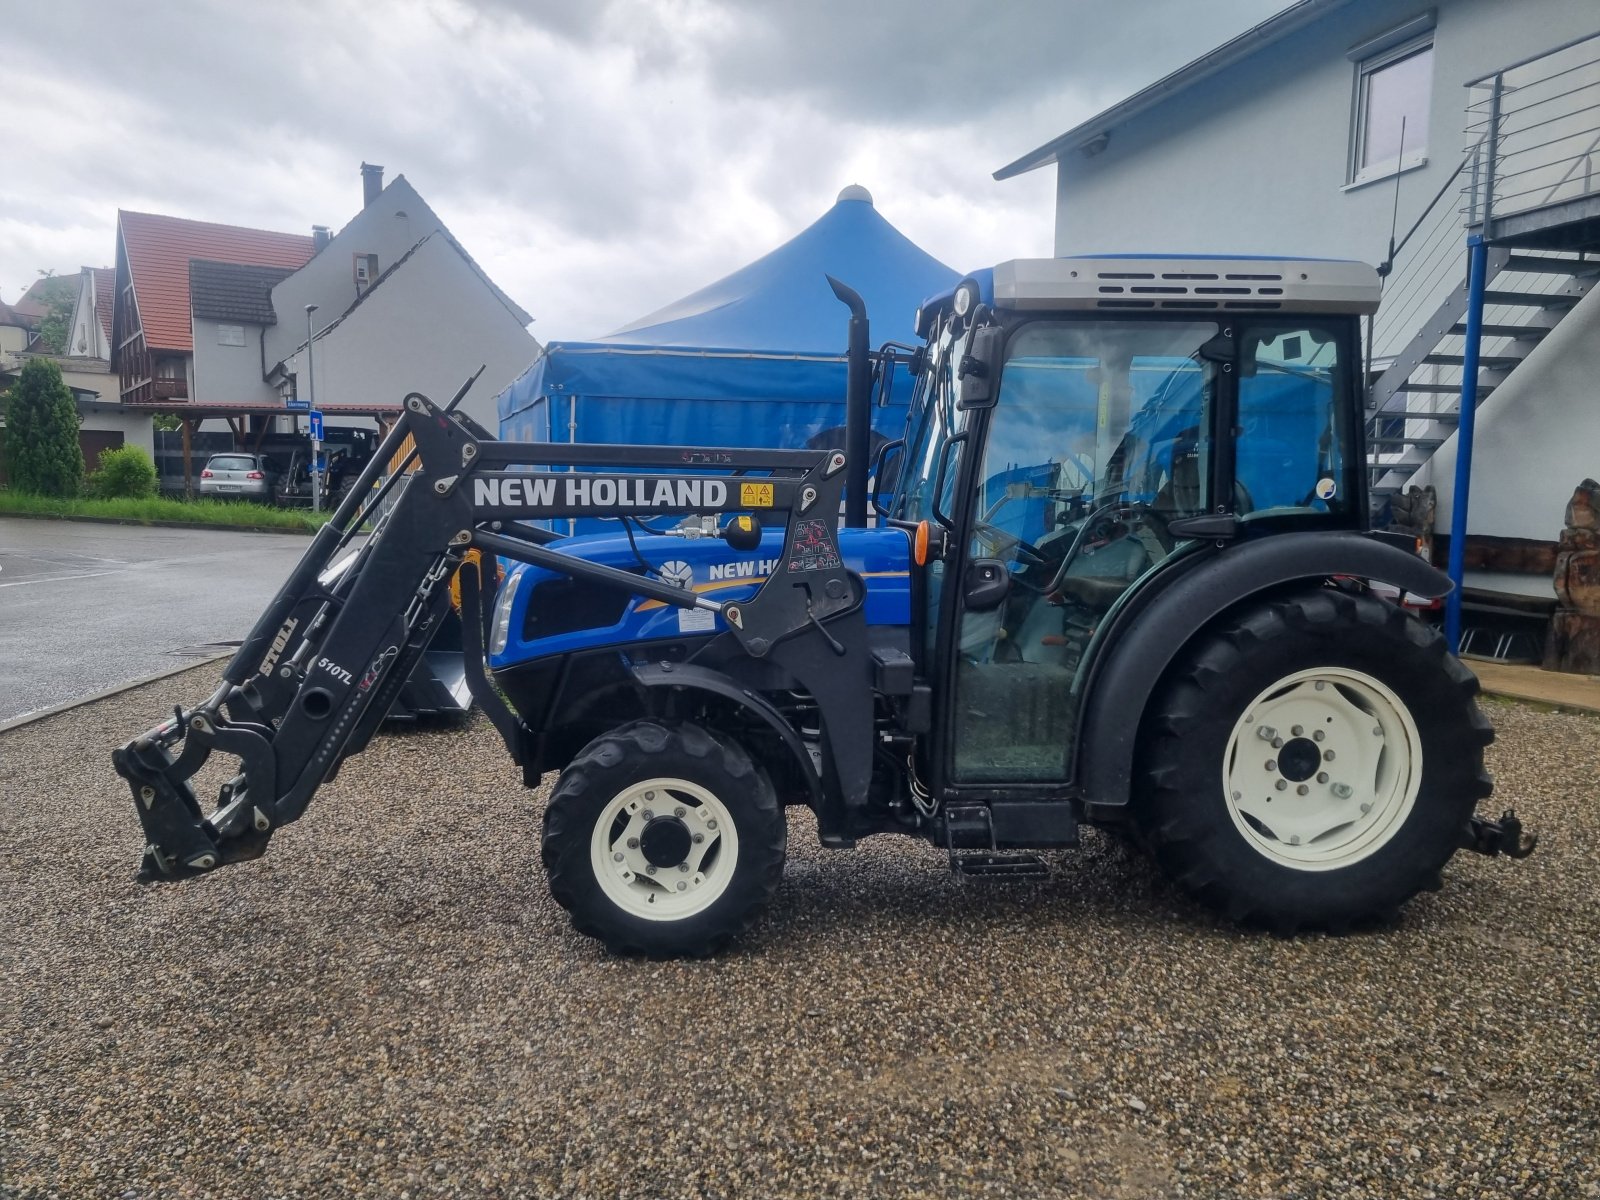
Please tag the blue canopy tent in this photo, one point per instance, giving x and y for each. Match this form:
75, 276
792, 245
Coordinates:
755, 359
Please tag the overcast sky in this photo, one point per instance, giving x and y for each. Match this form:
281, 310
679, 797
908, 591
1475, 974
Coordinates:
599, 158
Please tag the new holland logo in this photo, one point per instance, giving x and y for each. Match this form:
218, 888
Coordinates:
677, 573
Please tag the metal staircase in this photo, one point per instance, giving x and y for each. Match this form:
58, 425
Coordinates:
1529, 189
1416, 403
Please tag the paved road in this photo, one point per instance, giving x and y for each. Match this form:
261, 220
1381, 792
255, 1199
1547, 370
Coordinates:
84, 607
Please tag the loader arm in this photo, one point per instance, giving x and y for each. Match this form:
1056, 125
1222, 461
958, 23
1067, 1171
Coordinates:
310, 683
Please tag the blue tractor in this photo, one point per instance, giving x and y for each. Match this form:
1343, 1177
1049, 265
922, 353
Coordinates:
1124, 578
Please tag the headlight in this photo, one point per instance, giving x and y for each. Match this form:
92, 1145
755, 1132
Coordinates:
500, 631
966, 298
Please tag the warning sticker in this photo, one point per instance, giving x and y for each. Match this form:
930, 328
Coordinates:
696, 620
812, 548
755, 495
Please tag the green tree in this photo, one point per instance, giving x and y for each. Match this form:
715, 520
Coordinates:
55, 327
42, 450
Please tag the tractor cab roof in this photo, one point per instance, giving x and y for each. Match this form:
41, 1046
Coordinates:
1154, 282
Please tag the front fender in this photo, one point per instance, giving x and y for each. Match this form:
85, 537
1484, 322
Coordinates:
703, 679
1148, 635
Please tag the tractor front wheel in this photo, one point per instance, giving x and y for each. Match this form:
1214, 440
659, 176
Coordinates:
1312, 763
663, 839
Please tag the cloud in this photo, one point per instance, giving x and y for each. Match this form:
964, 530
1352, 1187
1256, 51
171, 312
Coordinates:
598, 159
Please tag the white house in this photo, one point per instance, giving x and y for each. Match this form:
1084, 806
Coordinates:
210, 321
1336, 122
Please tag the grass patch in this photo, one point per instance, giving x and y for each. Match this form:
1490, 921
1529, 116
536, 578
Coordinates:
166, 512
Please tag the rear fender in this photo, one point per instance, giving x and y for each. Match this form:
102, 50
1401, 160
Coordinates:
703, 679
1148, 636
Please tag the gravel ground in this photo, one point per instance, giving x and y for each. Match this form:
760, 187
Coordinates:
390, 1005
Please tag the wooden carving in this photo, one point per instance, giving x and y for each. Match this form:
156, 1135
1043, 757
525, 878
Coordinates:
1574, 643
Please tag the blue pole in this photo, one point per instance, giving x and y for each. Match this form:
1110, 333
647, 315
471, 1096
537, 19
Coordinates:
1477, 259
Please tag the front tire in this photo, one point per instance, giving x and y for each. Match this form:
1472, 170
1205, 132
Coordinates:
663, 839
1312, 763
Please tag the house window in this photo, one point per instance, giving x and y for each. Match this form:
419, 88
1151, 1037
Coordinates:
1393, 88
230, 335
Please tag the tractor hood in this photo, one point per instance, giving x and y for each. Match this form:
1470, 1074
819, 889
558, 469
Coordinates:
540, 613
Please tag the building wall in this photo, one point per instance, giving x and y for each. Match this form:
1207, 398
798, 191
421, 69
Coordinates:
1254, 159
227, 374
1537, 437
87, 338
425, 330
136, 428
394, 222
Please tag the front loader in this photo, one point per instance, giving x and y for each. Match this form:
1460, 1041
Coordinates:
1125, 579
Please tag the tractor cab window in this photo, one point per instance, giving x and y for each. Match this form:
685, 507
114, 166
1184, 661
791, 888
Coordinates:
1099, 439
1291, 442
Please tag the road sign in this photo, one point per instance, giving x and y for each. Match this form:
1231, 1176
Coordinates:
297, 405
316, 426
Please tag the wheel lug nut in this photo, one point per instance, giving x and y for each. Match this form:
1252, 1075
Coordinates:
1344, 791
1322, 777
648, 815
1277, 743
649, 795
698, 838
1365, 809
650, 870
683, 866
677, 812
1328, 755
1318, 735
1282, 785
1377, 731
617, 857
1298, 731
1271, 764
712, 823
1266, 733
683, 887
633, 843
1301, 790
1320, 684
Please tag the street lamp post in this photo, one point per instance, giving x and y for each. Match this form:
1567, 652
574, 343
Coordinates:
311, 399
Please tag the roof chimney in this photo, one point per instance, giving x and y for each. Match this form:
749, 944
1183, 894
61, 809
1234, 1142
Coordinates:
320, 237
371, 183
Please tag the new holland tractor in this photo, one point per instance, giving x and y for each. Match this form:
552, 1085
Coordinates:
1125, 578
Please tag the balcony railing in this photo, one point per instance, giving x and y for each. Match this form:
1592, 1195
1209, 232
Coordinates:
1535, 133
171, 389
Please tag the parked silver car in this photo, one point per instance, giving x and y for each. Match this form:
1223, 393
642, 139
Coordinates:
239, 477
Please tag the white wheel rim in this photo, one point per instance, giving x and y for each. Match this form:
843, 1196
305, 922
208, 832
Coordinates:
1365, 769
674, 891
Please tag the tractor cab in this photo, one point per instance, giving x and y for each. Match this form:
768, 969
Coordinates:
1082, 426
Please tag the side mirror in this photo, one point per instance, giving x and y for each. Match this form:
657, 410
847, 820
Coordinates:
986, 586
879, 474
980, 367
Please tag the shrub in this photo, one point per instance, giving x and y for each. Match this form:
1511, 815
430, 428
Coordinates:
125, 473
42, 451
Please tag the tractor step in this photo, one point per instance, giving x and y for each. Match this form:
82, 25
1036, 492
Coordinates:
999, 866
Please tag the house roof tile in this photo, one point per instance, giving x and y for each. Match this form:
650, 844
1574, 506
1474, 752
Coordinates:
159, 250
35, 302
234, 291
105, 295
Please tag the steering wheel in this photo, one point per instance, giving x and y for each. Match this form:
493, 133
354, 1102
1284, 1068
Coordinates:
1001, 541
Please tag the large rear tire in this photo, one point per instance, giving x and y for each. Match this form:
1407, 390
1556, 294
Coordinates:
1312, 763
663, 839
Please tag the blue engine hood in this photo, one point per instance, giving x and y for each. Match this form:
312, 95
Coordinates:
586, 616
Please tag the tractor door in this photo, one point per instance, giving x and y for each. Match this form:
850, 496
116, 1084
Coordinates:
1100, 436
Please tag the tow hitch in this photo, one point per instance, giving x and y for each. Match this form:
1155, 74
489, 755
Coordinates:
1504, 836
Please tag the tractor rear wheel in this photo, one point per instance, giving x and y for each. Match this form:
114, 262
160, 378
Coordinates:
1312, 763
663, 839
